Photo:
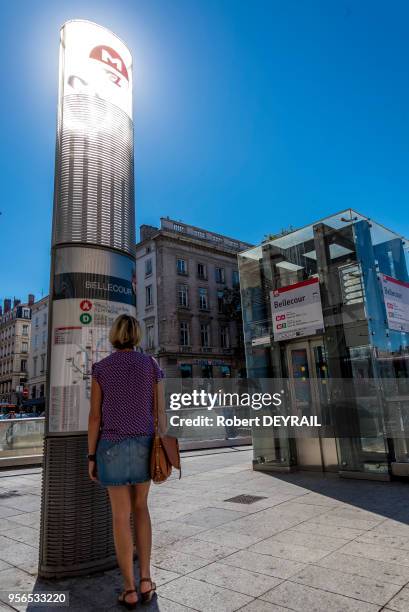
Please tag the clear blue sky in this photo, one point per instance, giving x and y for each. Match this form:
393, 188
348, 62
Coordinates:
249, 115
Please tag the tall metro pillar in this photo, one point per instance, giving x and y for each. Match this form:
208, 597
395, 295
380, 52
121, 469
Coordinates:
92, 282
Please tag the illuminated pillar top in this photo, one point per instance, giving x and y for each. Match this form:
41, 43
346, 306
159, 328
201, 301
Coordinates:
94, 191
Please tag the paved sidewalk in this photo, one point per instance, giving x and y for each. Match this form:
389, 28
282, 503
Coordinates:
312, 544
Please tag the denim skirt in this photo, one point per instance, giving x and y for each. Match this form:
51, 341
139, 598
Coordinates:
124, 463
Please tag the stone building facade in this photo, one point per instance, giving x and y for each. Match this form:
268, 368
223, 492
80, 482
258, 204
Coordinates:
188, 300
15, 331
37, 361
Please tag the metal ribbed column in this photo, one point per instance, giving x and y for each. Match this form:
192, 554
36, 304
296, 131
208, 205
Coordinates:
92, 282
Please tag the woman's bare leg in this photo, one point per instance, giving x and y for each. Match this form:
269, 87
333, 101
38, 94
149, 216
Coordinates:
120, 497
143, 530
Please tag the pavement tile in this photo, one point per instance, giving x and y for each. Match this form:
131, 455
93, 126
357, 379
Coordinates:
366, 567
162, 576
202, 595
232, 539
354, 523
333, 531
313, 541
393, 528
206, 550
257, 605
210, 517
236, 579
176, 561
317, 500
378, 553
30, 519
179, 530
382, 539
6, 512
18, 554
166, 605
293, 552
20, 533
4, 565
351, 512
301, 598
14, 579
400, 602
24, 503
357, 587
264, 564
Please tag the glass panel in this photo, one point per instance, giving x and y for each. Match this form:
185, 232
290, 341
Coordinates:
300, 373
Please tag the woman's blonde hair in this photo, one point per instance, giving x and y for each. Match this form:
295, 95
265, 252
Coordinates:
125, 332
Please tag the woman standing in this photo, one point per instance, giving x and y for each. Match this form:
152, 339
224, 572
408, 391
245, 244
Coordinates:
120, 435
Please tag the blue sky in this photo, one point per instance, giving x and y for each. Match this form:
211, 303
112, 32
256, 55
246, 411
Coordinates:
250, 116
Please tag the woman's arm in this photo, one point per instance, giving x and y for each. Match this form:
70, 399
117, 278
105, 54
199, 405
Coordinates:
94, 423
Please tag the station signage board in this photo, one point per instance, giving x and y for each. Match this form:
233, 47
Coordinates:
396, 298
296, 310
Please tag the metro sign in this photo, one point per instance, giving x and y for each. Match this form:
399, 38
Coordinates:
111, 58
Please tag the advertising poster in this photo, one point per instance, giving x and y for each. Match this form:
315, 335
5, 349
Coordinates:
396, 297
296, 310
85, 304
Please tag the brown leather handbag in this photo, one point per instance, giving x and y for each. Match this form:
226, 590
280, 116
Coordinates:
165, 453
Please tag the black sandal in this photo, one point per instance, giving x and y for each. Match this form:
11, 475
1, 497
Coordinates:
127, 604
147, 597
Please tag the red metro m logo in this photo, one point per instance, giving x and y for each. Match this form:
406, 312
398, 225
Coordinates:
111, 58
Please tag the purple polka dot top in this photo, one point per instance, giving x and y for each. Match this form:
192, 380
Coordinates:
126, 379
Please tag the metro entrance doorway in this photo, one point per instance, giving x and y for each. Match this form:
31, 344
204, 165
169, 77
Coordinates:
308, 376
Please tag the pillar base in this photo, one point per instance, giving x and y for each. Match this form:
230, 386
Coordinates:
76, 524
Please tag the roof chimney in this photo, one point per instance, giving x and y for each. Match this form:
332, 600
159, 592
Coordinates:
7, 305
31, 299
16, 302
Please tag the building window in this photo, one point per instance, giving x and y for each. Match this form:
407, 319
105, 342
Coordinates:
44, 338
202, 271
235, 279
181, 266
34, 367
225, 337
25, 330
45, 318
178, 228
33, 392
207, 371
24, 347
203, 299
225, 371
183, 295
220, 302
42, 366
148, 296
148, 267
150, 336
186, 370
199, 233
184, 333
219, 275
205, 335
41, 390
23, 366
